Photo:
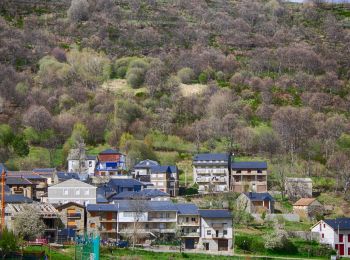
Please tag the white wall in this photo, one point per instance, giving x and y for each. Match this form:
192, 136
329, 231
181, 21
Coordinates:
81, 195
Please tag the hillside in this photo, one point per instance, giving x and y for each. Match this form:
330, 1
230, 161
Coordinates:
165, 79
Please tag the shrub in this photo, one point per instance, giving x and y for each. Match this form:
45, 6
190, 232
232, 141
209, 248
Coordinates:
203, 78
186, 75
121, 72
220, 76
78, 10
135, 77
244, 242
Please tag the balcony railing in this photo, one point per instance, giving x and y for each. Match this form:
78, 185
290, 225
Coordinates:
210, 171
73, 215
161, 219
190, 234
189, 223
216, 179
203, 179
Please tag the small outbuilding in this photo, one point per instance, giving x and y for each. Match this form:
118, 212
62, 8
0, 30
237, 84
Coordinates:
253, 202
308, 208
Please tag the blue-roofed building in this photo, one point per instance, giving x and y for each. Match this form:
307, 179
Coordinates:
189, 223
48, 173
165, 178
110, 162
249, 176
335, 233
256, 203
120, 185
143, 168
39, 181
211, 171
216, 229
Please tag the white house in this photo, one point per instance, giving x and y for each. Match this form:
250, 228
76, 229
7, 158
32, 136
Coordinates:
81, 163
212, 172
72, 190
335, 233
216, 229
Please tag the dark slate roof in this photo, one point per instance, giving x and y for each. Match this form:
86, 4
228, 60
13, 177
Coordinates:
343, 223
124, 183
2, 167
254, 196
25, 174
110, 151
160, 169
17, 198
249, 165
91, 157
146, 164
44, 170
18, 181
212, 157
68, 204
63, 176
101, 193
187, 209
146, 194
149, 205
215, 213
102, 207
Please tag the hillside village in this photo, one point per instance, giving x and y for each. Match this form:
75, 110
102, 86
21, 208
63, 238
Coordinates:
99, 195
152, 129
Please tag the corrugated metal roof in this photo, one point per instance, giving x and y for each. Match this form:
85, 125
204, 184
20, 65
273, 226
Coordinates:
212, 157
249, 165
143, 194
72, 183
215, 213
17, 198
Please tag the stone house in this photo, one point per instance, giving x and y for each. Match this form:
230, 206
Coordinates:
254, 203
73, 216
308, 208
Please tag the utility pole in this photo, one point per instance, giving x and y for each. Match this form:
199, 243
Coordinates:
3, 199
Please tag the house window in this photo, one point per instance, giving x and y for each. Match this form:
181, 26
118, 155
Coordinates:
93, 225
341, 236
90, 163
225, 232
349, 238
127, 214
208, 232
324, 225
86, 192
259, 171
65, 192
322, 235
193, 219
239, 171
77, 192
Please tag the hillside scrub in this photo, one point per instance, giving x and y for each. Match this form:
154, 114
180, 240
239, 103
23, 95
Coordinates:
274, 81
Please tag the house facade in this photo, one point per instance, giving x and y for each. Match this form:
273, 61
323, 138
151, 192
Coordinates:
143, 168
72, 191
73, 216
166, 179
188, 221
308, 208
249, 176
80, 162
21, 186
216, 230
335, 233
110, 162
212, 172
256, 203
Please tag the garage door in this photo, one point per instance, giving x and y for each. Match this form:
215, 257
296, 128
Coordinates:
223, 245
189, 243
